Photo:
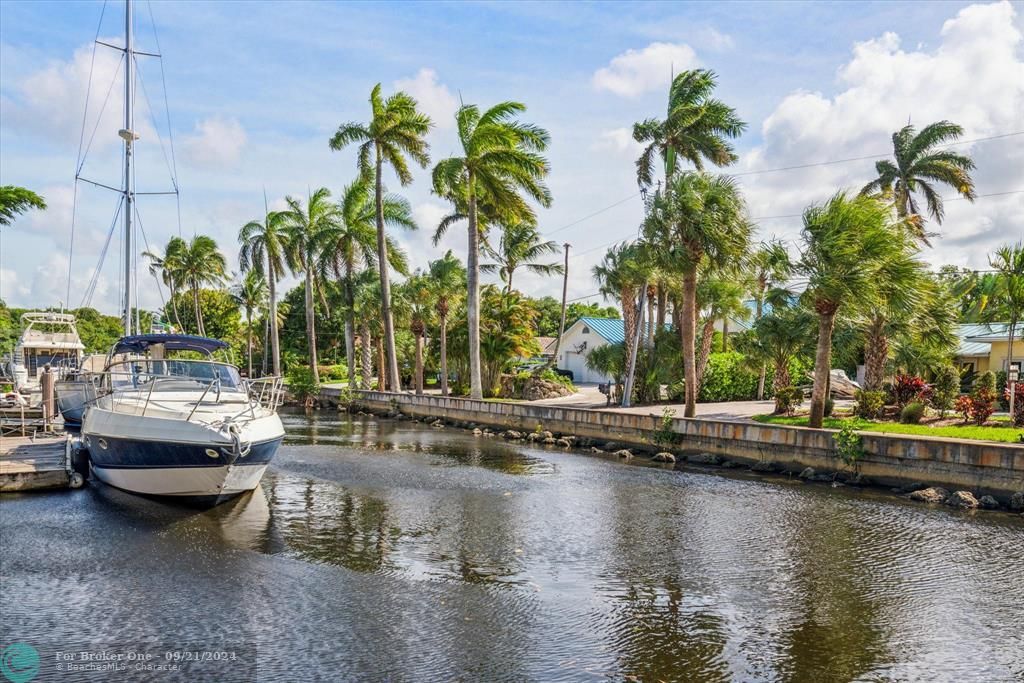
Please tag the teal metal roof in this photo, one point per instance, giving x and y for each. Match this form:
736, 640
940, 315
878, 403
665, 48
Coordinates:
613, 330
974, 337
968, 348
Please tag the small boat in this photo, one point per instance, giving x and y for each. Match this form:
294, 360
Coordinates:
186, 427
47, 340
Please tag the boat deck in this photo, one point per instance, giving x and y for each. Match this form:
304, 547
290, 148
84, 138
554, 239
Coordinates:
28, 463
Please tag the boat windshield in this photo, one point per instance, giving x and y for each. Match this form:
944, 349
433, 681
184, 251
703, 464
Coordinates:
173, 375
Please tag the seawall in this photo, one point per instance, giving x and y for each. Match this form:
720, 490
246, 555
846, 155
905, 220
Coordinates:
890, 459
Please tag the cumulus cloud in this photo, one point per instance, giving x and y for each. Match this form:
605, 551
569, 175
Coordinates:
51, 100
635, 72
433, 96
215, 143
974, 76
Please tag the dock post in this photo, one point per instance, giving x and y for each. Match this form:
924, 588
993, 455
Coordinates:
46, 383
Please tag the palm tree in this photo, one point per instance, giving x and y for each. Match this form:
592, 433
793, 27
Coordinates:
909, 303
620, 275
846, 242
201, 263
166, 266
720, 296
1008, 263
695, 129
251, 295
771, 265
520, 246
264, 248
366, 296
349, 245
918, 165
16, 200
396, 130
303, 226
501, 161
447, 276
707, 226
777, 338
417, 294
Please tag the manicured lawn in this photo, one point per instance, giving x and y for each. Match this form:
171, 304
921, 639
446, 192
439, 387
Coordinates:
1005, 434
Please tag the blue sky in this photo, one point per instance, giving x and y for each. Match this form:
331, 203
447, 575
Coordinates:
256, 89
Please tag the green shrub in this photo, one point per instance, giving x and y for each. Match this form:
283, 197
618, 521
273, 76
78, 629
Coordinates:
665, 435
728, 377
945, 389
330, 373
849, 445
787, 399
301, 384
830, 406
912, 413
985, 381
868, 404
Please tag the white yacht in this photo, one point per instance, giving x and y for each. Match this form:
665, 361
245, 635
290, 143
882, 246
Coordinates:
47, 339
170, 426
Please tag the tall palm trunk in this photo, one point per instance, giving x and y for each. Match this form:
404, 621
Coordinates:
725, 334
473, 297
382, 380
419, 362
275, 341
200, 330
759, 303
629, 319
707, 338
350, 326
782, 379
366, 351
444, 355
876, 352
311, 324
822, 362
553, 362
688, 337
662, 303
174, 303
385, 281
508, 285
248, 337
266, 345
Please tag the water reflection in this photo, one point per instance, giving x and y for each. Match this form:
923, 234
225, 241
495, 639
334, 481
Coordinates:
389, 550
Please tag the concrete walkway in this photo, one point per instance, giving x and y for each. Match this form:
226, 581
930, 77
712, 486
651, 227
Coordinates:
587, 396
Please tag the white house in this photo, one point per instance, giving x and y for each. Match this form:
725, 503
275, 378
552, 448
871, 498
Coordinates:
582, 337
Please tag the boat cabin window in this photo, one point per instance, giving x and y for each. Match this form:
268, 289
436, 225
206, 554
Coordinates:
191, 373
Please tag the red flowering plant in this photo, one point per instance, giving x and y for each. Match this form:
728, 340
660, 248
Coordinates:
1018, 403
909, 389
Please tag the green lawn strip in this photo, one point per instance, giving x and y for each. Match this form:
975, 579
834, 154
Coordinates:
1003, 434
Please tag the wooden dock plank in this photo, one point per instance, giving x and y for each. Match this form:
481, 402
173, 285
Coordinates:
33, 463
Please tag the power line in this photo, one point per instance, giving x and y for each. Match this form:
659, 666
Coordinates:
795, 215
867, 158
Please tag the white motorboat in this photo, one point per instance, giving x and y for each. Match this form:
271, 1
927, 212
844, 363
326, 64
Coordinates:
47, 340
171, 426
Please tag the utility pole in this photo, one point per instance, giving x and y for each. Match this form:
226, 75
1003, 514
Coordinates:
627, 392
553, 361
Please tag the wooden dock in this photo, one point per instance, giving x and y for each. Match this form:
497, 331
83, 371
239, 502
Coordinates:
39, 462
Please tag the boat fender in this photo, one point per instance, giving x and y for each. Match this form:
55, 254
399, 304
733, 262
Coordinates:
76, 481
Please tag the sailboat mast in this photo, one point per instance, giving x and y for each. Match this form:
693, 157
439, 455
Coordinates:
128, 133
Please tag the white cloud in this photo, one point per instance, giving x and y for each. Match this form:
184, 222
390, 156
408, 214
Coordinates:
716, 40
635, 72
216, 143
619, 140
50, 101
434, 97
974, 77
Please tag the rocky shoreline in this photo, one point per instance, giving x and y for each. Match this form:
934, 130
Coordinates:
916, 491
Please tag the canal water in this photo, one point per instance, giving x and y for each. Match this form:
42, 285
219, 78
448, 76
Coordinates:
389, 550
